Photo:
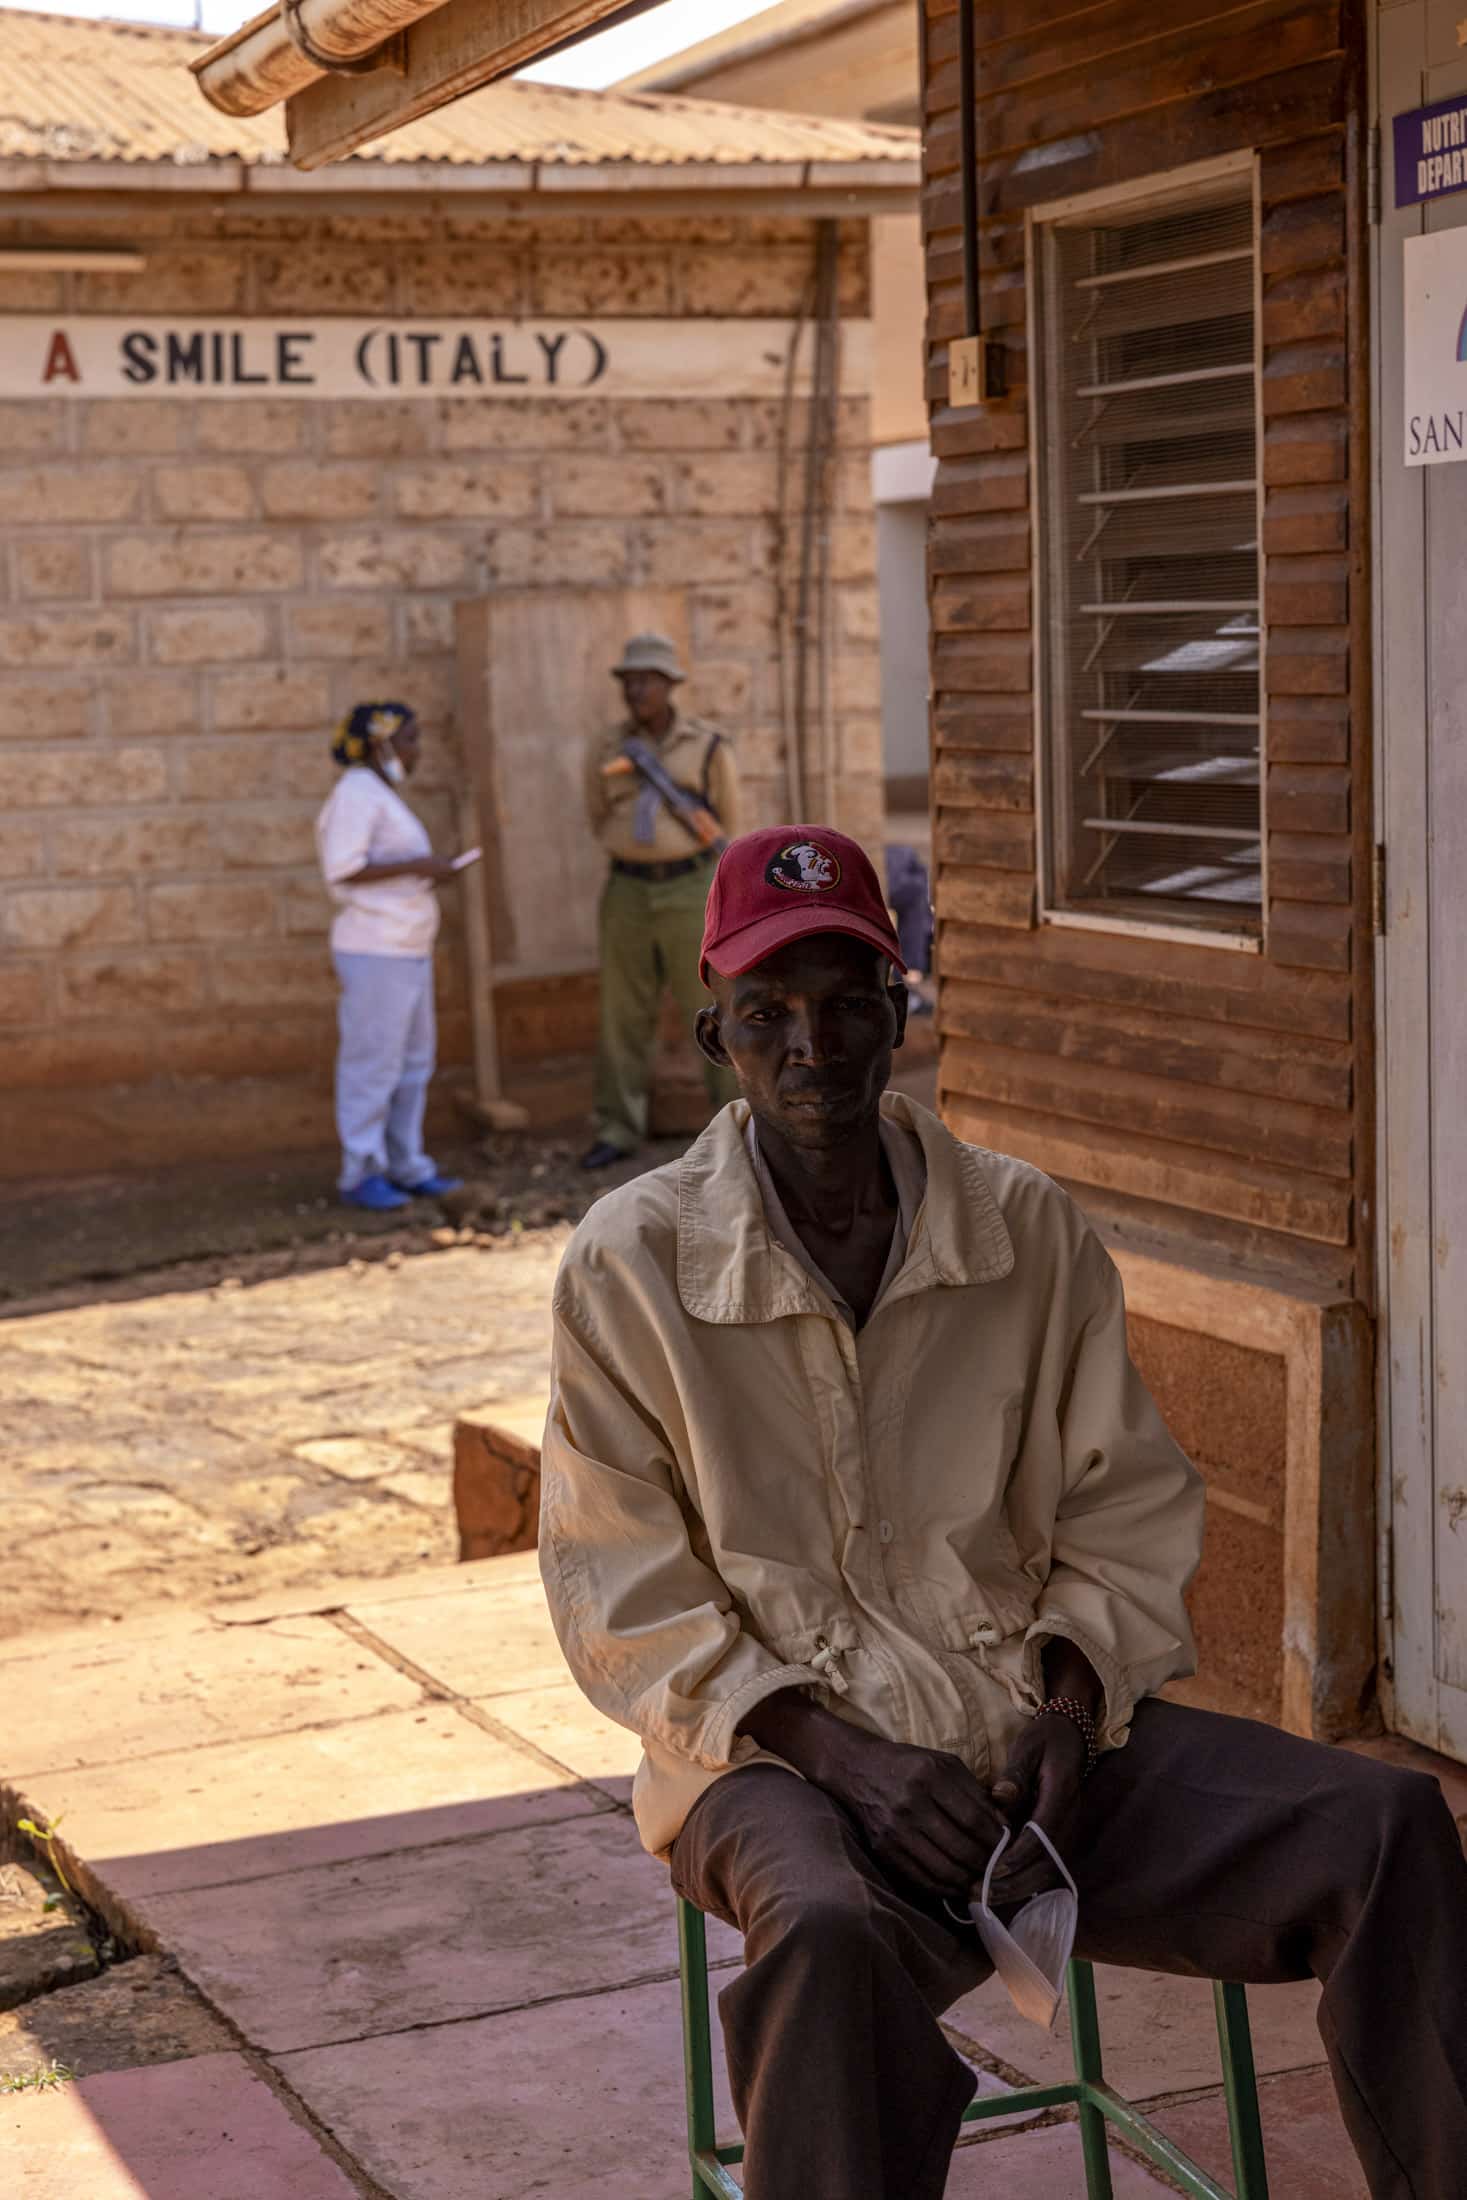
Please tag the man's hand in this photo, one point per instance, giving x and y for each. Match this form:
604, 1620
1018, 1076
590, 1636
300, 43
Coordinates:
1041, 1780
1043, 1776
922, 1814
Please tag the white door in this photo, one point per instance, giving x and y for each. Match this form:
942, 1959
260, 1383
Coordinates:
1421, 787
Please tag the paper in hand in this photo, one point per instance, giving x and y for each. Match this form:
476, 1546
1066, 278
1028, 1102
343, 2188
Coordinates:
470, 855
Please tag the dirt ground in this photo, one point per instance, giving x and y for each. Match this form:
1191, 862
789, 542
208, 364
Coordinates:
216, 1383
69, 1240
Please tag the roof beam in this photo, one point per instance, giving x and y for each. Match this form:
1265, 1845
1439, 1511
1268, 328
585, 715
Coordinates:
267, 60
460, 46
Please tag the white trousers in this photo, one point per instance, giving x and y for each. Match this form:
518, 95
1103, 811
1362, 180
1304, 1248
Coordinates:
385, 1053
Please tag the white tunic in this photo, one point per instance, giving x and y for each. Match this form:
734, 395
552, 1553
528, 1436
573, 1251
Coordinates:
363, 821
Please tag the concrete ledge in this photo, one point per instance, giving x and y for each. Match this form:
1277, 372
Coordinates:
496, 1478
1322, 1510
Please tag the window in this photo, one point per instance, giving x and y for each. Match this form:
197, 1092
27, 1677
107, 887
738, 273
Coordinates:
1150, 679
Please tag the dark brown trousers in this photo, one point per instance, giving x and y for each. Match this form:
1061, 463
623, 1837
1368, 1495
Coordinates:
1210, 1847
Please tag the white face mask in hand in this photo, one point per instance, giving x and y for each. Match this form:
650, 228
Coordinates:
1031, 1954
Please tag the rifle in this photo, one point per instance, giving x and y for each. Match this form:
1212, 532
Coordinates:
639, 756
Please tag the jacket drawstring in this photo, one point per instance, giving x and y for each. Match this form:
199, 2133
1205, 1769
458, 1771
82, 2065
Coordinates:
826, 1662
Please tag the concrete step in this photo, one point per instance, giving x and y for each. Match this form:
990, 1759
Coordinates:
496, 1477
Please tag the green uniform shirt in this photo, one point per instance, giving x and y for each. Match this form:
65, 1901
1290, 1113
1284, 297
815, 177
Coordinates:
698, 758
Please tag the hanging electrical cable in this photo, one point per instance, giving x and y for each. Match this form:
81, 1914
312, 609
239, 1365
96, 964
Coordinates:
812, 609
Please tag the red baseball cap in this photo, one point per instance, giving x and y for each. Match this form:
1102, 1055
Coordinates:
785, 882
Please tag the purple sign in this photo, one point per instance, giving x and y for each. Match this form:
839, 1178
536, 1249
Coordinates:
1431, 151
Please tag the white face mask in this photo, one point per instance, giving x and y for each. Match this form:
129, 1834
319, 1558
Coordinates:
393, 769
1032, 1953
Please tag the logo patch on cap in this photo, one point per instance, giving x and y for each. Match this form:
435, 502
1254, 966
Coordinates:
804, 867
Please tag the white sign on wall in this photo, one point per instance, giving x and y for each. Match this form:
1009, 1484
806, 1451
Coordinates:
88, 355
1435, 348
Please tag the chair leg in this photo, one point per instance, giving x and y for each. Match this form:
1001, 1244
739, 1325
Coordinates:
1085, 2038
1240, 2089
697, 2040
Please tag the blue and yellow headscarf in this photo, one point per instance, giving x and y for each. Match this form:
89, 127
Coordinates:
364, 728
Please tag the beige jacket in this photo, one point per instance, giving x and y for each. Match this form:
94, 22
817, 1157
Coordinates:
741, 1494
688, 749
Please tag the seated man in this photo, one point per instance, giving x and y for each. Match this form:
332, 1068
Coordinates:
856, 1511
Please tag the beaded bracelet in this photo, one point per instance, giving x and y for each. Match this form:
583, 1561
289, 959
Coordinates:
1068, 1707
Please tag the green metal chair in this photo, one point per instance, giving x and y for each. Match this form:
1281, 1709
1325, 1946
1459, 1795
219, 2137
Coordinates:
1087, 2090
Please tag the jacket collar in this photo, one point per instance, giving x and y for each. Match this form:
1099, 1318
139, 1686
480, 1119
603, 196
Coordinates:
729, 1269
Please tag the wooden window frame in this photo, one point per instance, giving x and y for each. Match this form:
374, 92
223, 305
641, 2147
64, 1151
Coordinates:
1167, 185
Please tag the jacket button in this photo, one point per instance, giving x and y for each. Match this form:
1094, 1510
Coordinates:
886, 1531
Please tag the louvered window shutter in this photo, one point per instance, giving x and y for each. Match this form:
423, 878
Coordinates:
1149, 502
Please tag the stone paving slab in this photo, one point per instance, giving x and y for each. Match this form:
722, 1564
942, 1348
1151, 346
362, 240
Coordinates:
186, 1687
241, 1811
478, 1645
330, 1877
1309, 2156
1157, 2033
561, 1722
485, 1576
1044, 2165
207, 2129
427, 1935
582, 2098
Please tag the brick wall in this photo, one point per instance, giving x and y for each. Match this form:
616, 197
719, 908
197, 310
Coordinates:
192, 592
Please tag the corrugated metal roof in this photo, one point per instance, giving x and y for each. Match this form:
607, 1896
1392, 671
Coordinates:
81, 90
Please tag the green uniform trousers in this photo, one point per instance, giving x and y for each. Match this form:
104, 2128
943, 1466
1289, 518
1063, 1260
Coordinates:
651, 935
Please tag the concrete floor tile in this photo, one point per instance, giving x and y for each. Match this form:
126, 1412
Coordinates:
426, 1935
1309, 2156
116, 1700
242, 1810
477, 1644
572, 1731
201, 2130
1041, 2165
525, 2102
1157, 2033
470, 1577
23, 1657
582, 2098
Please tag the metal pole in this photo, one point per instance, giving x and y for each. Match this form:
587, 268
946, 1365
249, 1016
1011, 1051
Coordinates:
968, 163
1240, 2089
697, 2034
1085, 2040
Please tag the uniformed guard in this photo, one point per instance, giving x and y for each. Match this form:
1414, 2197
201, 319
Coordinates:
662, 833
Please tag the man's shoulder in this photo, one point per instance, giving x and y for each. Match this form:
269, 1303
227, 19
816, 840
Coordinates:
630, 1235
1037, 1212
1045, 1224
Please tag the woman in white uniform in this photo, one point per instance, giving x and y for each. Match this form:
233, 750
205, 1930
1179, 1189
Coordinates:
380, 870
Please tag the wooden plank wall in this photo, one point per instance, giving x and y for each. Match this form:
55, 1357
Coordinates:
1210, 1099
